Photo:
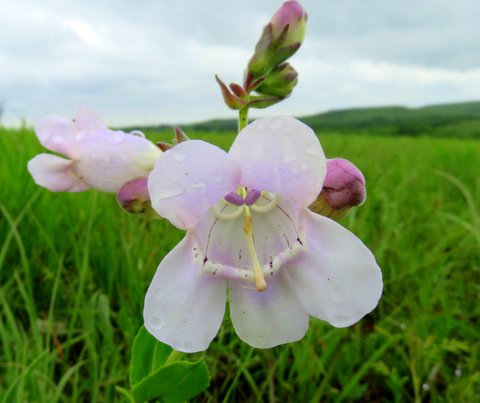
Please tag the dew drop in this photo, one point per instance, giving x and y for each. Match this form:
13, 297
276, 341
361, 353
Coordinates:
155, 322
256, 153
275, 123
199, 185
169, 190
289, 152
177, 156
116, 137
314, 149
80, 136
58, 140
105, 162
138, 133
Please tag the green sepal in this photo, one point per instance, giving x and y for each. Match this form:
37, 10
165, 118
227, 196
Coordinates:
261, 102
231, 100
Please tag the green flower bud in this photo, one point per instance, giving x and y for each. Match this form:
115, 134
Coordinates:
280, 82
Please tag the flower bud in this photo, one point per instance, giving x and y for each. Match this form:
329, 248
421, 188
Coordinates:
180, 137
343, 188
133, 196
290, 14
280, 82
280, 39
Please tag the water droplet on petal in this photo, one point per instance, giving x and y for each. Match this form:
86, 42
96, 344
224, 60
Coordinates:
116, 137
314, 149
275, 123
177, 156
304, 166
155, 322
199, 185
289, 151
80, 136
168, 190
58, 140
256, 153
105, 162
138, 133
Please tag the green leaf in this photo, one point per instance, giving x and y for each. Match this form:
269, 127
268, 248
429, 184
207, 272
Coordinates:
173, 383
148, 354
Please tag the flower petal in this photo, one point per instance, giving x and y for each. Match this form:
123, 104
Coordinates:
183, 306
88, 120
337, 279
108, 159
189, 179
269, 318
56, 133
55, 173
282, 155
225, 246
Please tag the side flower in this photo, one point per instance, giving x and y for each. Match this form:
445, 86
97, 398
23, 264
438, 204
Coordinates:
98, 157
249, 230
343, 188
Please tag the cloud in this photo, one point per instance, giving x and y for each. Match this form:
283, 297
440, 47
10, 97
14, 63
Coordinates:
148, 62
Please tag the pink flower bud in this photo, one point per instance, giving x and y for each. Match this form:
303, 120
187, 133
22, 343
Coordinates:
343, 188
280, 39
133, 196
291, 13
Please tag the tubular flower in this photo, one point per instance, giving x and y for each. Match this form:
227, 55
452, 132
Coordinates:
249, 230
98, 157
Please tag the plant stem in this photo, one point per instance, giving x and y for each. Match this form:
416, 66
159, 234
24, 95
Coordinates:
174, 356
242, 118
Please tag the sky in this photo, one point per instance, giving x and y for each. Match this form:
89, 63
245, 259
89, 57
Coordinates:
153, 62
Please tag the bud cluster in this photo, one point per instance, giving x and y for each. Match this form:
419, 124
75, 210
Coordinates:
267, 73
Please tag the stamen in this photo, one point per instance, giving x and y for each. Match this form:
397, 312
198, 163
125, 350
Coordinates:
234, 198
252, 196
267, 207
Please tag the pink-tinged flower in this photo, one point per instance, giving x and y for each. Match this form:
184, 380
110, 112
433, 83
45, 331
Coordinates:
343, 188
249, 230
133, 196
97, 157
293, 15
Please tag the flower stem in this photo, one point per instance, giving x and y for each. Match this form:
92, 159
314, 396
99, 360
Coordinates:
242, 118
173, 356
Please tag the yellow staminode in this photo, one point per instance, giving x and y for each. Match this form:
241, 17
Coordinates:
260, 283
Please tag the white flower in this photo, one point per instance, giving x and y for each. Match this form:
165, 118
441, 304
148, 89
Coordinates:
249, 230
98, 157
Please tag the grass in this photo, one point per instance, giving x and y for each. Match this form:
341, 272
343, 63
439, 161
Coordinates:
74, 270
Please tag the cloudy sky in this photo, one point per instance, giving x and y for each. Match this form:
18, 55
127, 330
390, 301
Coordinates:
145, 62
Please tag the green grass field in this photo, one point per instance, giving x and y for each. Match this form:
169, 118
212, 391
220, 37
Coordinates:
74, 270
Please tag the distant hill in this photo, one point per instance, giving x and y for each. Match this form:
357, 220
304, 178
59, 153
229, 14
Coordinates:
447, 120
